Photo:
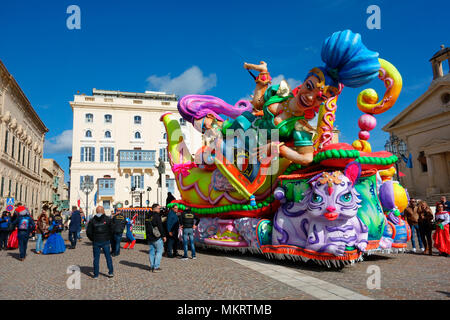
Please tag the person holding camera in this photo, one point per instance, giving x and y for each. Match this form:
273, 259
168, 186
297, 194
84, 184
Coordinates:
155, 236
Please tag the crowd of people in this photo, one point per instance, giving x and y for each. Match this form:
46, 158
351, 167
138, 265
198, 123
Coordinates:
164, 230
422, 223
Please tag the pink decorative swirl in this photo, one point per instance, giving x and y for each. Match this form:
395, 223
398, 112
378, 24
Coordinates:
183, 168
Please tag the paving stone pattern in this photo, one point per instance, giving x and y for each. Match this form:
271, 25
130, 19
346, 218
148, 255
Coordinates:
211, 276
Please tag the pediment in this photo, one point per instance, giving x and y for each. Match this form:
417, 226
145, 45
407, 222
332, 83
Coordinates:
429, 104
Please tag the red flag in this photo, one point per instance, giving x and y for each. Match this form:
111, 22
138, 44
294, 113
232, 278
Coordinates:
78, 203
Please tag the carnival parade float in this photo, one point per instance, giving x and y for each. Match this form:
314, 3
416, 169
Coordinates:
267, 182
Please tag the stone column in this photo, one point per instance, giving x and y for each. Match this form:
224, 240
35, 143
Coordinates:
431, 172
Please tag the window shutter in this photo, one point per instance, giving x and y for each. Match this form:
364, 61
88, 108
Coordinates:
81, 152
142, 182
101, 154
93, 154
81, 180
132, 181
112, 154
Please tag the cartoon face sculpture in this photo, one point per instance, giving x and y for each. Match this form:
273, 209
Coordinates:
326, 219
332, 197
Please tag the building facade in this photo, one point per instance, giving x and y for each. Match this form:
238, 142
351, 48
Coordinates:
117, 140
54, 190
425, 128
22, 135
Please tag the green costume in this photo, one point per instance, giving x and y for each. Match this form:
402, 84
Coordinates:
286, 128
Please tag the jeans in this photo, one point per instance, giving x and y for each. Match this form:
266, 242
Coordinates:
188, 233
73, 238
79, 234
4, 239
22, 236
106, 247
172, 245
115, 244
39, 242
155, 257
415, 229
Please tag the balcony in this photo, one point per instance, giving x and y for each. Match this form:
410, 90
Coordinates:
106, 186
137, 158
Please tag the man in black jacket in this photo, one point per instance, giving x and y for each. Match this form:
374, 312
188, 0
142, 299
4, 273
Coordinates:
155, 236
188, 223
99, 231
74, 227
119, 223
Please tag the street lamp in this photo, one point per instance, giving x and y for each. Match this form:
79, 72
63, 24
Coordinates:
398, 147
148, 196
87, 186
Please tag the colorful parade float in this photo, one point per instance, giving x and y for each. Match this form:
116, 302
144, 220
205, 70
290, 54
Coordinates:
267, 182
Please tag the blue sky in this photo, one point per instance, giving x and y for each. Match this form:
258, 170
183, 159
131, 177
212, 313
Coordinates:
200, 47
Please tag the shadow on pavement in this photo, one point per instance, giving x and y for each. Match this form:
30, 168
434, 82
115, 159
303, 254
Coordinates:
14, 255
135, 265
445, 292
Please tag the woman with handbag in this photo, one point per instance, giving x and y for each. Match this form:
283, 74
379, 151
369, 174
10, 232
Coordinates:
41, 231
441, 236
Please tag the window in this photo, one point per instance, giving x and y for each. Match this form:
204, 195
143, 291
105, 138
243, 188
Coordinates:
6, 141
106, 154
34, 167
88, 134
137, 181
28, 163
2, 187
423, 161
163, 154
17, 190
87, 154
108, 118
13, 146
90, 179
165, 136
20, 149
106, 204
137, 135
182, 122
23, 156
107, 134
89, 117
137, 119
170, 185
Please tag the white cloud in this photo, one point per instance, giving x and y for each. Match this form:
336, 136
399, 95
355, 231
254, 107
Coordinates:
293, 83
191, 81
59, 144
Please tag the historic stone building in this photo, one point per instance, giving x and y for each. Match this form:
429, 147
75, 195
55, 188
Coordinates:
117, 140
54, 190
425, 128
22, 135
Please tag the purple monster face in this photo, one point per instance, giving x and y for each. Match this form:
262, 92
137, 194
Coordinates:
332, 197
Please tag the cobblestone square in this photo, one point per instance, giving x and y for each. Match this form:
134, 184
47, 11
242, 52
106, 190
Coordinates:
216, 275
